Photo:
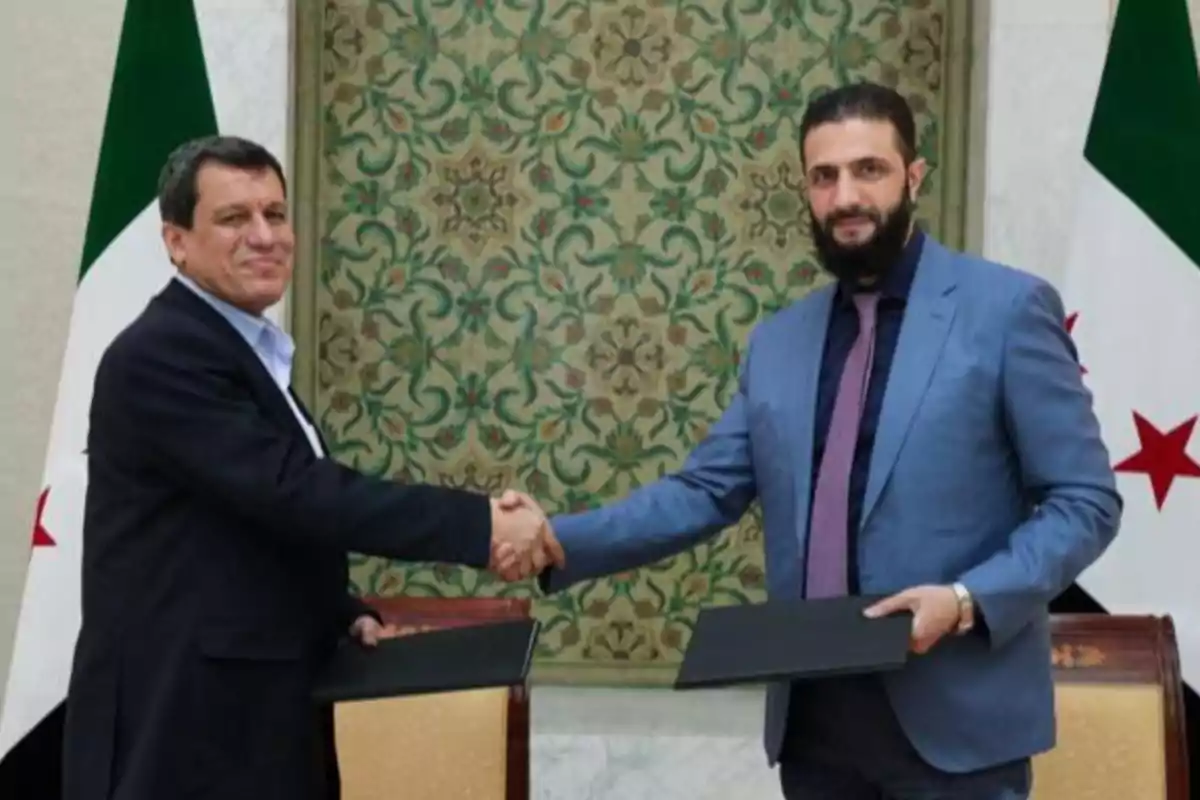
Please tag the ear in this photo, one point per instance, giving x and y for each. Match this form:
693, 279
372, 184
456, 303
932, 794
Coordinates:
916, 174
173, 238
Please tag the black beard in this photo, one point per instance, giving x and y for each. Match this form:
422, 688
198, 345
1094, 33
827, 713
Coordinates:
863, 262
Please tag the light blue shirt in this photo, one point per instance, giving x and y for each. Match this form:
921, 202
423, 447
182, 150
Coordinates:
274, 348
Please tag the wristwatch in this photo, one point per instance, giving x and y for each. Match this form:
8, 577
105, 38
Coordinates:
966, 609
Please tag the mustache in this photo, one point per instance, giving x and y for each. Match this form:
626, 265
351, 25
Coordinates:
853, 213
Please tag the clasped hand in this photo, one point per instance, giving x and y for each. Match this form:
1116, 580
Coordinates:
523, 543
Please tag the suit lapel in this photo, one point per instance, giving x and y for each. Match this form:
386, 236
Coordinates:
803, 370
927, 319
265, 389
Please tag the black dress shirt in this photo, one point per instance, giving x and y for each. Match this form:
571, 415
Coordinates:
843, 330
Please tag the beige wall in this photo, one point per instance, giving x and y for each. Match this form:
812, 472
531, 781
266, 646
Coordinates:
56, 59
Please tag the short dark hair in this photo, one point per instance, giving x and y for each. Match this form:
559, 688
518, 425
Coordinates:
869, 101
177, 191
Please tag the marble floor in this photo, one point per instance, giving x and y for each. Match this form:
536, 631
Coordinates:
630, 744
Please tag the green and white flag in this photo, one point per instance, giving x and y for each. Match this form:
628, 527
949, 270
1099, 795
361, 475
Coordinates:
1133, 292
159, 98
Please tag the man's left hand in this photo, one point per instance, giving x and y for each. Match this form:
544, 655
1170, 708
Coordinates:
367, 631
935, 613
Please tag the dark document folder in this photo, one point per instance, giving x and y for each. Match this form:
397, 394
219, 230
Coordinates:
792, 641
473, 657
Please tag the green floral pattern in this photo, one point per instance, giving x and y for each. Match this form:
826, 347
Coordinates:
546, 230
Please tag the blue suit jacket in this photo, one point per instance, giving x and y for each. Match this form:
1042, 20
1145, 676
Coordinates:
988, 468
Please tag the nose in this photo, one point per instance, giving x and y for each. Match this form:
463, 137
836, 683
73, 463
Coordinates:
260, 232
845, 193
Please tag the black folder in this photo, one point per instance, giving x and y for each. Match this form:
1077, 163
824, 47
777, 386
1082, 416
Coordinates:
452, 659
792, 641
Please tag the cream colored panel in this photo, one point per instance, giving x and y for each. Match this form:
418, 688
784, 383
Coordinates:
1110, 745
451, 745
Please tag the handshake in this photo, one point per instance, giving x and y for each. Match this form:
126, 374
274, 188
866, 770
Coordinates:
523, 543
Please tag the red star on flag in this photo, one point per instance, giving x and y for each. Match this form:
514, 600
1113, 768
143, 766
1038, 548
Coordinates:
41, 536
1163, 456
1071, 330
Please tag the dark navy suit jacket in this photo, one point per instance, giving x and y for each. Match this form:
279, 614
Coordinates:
214, 570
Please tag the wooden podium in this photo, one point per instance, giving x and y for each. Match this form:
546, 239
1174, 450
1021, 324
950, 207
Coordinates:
1119, 707
469, 744
1118, 698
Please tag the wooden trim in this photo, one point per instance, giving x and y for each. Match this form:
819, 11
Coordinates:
517, 773
956, 124
1174, 714
414, 614
1103, 648
974, 110
307, 46
450, 611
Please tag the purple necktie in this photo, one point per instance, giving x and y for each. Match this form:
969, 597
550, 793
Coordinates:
828, 534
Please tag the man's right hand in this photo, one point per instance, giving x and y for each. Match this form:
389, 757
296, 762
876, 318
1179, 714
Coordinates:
523, 543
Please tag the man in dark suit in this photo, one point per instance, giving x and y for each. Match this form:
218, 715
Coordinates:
216, 527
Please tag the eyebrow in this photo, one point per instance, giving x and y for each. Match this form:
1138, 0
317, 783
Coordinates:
276, 205
827, 167
859, 160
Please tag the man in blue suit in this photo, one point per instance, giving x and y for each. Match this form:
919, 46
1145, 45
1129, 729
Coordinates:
919, 430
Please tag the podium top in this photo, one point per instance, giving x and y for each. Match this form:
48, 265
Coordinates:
453, 659
792, 641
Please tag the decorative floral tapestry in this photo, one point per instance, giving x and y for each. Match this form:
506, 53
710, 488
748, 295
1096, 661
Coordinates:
546, 229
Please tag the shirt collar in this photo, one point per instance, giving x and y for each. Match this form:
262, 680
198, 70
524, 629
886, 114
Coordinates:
258, 331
